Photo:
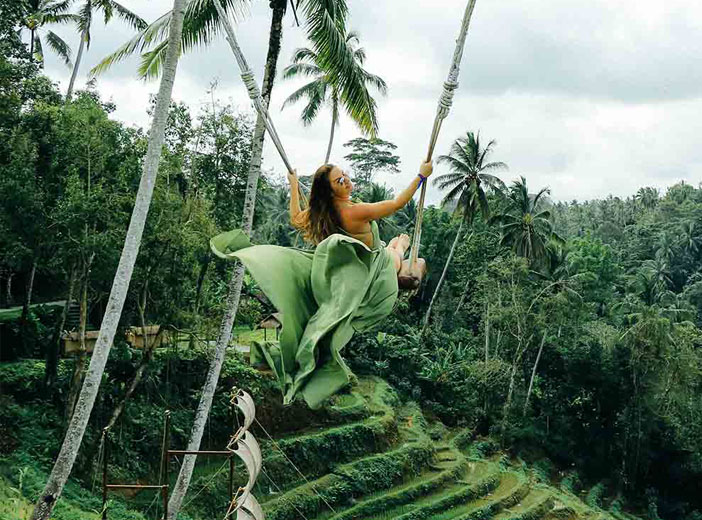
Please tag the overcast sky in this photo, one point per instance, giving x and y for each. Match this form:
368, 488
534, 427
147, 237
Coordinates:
589, 98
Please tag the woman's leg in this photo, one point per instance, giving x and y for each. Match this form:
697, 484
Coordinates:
397, 248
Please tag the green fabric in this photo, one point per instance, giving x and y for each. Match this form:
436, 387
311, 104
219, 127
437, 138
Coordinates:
324, 296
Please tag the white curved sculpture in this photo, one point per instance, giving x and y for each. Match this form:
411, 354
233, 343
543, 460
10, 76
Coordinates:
246, 447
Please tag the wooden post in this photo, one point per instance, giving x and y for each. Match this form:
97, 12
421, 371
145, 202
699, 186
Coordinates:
231, 479
164, 461
104, 473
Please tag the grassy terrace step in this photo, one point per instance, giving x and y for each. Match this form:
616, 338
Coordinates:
317, 453
534, 506
567, 503
426, 483
352, 480
513, 487
485, 478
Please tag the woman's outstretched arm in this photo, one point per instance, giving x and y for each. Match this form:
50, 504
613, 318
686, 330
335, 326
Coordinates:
376, 210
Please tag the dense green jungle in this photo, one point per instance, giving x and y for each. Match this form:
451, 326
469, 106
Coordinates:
549, 367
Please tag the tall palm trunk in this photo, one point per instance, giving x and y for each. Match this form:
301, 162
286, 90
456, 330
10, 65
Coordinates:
28, 343
31, 45
79, 421
463, 297
30, 290
335, 117
186, 470
8, 289
510, 392
76, 66
533, 374
443, 276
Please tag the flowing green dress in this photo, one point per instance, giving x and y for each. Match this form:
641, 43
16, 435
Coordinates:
324, 296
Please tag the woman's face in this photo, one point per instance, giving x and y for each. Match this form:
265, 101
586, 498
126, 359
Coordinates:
341, 184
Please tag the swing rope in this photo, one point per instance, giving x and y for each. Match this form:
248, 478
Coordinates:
442, 111
247, 76
444, 106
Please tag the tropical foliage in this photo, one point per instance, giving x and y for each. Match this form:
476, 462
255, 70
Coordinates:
565, 333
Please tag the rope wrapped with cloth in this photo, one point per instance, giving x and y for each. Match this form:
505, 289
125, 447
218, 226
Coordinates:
410, 276
254, 92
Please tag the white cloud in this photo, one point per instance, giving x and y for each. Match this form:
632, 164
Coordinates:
590, 98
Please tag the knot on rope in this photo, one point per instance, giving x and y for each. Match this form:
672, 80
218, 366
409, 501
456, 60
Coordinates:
250, 82
446, 99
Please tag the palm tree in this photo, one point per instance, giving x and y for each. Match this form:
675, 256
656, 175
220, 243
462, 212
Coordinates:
667, 248
466, 182
647, 197
689, 239
526, 227
41, 13
79, 420
84, 21
322, 90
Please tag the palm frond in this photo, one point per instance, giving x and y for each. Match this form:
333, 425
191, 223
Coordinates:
201, 26
308, 91
452, 195
59, 46
494, 166
61, 18
59, 7
85, 20
134, 20
316, 101
301, 69
325, 27
377, 82
456, 164
303, 54
157, 31
449, 180
542, 192
152, 61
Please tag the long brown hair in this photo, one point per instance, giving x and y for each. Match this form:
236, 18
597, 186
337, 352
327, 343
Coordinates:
320, 219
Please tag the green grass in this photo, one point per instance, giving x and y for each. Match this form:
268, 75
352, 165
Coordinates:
13, 506
510, 488
246, 336
13, 313
533, 506
481, 480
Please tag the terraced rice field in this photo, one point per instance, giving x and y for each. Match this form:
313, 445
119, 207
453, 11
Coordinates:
414, 477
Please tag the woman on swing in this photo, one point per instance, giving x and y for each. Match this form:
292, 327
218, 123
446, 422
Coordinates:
348, 283
331, 211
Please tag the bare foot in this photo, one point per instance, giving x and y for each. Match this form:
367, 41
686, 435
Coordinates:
403, 243
393, 243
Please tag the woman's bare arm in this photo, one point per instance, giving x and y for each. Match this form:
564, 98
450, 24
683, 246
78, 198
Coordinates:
376, 210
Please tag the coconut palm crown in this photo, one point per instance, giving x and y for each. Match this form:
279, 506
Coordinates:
39, 14
322, 90
468, 176
325, 26
527, 226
